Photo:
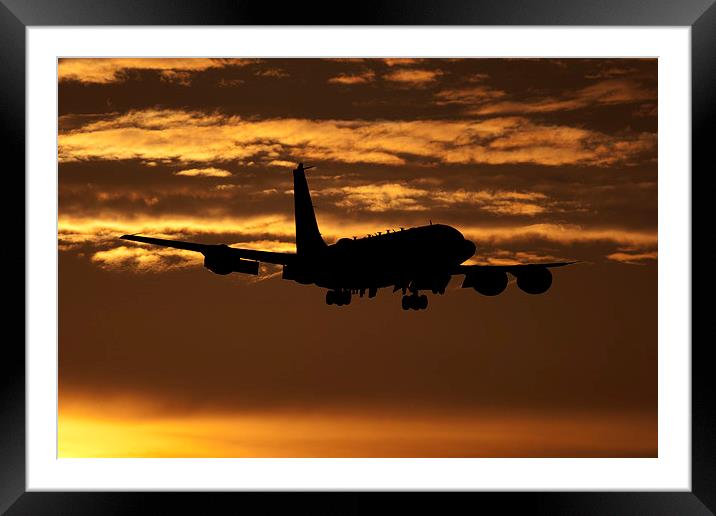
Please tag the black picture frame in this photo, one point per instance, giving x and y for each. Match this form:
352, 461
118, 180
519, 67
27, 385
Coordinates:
17, 15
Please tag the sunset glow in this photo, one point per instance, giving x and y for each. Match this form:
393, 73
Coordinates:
534, 160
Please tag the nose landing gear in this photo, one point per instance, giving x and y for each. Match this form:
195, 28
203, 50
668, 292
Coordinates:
415, 302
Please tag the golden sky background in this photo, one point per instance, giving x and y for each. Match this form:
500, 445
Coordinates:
534, 160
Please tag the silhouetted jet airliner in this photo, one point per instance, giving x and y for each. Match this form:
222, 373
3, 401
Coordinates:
410, 260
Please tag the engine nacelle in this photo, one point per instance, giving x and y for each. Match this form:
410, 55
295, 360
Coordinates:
535, 280
221, 263
217, 265
487, 283
298, 274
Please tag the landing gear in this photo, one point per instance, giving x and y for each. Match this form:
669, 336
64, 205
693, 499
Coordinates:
405, 303
414, 302
338, 297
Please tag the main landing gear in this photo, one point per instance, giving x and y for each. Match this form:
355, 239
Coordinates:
415, 302
338, 297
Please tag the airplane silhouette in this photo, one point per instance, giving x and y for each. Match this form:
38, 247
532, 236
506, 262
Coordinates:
410, 260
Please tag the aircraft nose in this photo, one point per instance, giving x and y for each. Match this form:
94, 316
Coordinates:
468, 248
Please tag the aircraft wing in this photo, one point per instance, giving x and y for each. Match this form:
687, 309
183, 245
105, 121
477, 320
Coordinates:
248, 254
468, 269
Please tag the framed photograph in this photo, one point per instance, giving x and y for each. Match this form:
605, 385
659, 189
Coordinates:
426, 251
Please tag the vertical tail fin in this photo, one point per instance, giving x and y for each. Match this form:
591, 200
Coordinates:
308, 238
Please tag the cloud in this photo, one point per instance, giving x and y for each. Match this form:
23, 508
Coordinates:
556, 145
401, 197
108, 70
633, 258
565, 234
508, 257
204, 172
281, 163
611, 72
225, 187
276, 246
505, 207
412, 76
377, 197
647, 109
401, 61
103, 196
345, 59
357, 78
468, 96
167, 194
229, 83
276, 232
141, 259
194, 136
608, 92
145, 258
182, 78
276, 73
105, 229
477, 77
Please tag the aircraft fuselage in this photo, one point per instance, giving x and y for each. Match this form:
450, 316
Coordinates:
423, 256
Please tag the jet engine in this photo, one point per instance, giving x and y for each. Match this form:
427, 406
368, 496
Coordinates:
223, 263
295, 272
217, 265
535, 280
487, 283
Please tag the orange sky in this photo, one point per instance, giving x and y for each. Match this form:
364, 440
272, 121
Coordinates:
534, 160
